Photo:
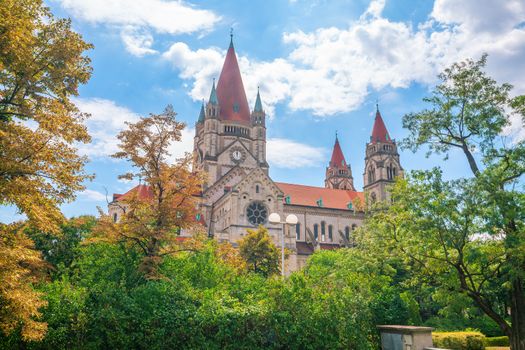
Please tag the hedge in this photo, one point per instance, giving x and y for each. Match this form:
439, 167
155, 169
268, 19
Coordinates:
497, 341
459, 340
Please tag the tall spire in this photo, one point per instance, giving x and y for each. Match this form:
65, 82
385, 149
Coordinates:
379, 132
213, 95
230, 90
201, 114
338, 159
258, 103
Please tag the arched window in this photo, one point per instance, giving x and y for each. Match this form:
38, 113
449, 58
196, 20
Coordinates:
330, 233
115, 217
373, 197
371, 174
256, 188
323, 231
298, 231
347, 232
316, 231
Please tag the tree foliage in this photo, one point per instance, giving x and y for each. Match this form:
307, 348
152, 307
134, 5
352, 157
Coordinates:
42, 63
259, 252
153, 221
21, 266
467, 233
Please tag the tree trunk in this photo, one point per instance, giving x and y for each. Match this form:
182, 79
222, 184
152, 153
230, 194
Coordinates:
471, 161
517, 315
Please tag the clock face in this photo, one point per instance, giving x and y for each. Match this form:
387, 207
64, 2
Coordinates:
237, 154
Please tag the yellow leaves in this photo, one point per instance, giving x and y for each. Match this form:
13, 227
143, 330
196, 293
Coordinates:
153, 217
42, 65
231, 257
21, 266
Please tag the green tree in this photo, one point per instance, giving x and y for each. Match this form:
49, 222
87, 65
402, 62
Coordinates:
60, 249
469, 232
260, 253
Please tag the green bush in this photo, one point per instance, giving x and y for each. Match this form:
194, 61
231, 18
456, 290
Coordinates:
459, 340
497, 341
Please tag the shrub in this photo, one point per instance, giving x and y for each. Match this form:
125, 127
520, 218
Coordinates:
459, 340
497, 341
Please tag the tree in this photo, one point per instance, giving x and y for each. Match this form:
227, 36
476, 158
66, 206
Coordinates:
60, 249
468, 232
260, 253
42, 63
20, 267
153, 222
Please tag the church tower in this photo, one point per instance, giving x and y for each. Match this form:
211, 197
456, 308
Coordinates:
382, 163
227, 133
338, 172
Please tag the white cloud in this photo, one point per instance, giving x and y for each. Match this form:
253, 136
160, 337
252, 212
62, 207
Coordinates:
179, 149
283, 153
201, 66
516, 129
93, 195
332, 70
106, 121
144, 16
138, 42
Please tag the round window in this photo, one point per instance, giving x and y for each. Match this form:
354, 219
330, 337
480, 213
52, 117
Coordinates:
257, 213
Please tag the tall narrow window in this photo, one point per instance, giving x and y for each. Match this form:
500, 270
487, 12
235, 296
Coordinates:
373, 197
298, 231
115, 217
323, 231
256, 188
316, 231
331, 233
347, 232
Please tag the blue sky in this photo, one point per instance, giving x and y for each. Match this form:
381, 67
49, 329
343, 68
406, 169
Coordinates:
320, 65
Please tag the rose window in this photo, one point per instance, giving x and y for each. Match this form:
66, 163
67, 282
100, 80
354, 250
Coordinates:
256, 213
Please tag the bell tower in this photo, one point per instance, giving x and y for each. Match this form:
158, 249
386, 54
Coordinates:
338, 172
382, 163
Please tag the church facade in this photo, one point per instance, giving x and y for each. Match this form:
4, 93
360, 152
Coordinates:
230, 147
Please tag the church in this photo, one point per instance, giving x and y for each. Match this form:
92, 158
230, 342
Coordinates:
230, 147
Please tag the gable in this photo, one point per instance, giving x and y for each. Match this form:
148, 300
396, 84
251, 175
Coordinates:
225, 157
230, 179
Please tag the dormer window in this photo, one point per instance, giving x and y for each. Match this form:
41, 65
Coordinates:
236, 107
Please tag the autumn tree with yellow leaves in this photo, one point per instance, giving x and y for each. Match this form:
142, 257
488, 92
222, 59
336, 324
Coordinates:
153, 222
42, 63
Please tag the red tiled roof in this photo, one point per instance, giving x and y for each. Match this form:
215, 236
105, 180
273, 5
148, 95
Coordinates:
309, 195
230, 91
338, 159
141, 191
379, 132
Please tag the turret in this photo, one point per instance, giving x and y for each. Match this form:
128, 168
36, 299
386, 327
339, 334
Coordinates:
382, 164
259, 130
338, 172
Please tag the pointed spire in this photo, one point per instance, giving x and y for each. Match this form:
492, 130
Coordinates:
213, 95
338, 159
258, 103
230, 90
231, 38
379, 132
201, 114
